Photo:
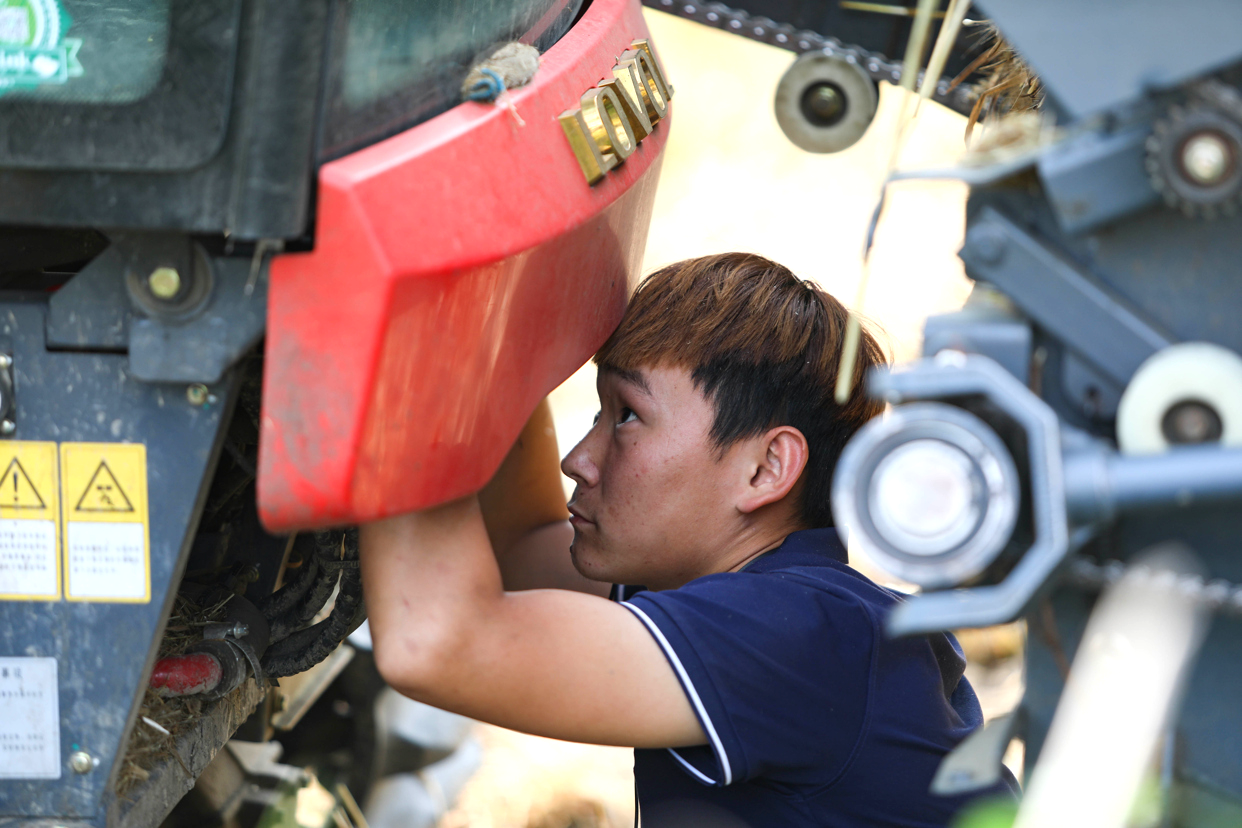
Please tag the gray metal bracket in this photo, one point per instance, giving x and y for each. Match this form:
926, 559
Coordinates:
953, 374
194, 338
1057, 295
1097, 177
1143, 57
202, 348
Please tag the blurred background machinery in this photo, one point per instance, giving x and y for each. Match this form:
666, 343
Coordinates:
180, 193
1084, 405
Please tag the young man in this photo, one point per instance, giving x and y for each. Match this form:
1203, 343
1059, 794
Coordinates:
750, 669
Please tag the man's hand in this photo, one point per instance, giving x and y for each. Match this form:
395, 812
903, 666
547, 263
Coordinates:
548, 662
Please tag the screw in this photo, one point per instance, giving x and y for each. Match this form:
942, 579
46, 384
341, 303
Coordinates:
7, 427
5, 360
197, 394
1206, 158
81, 762
164, 282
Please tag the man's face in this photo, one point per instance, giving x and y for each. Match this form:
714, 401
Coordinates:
652, 505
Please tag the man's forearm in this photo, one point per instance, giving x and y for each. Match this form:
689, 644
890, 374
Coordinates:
428, 577
526, 491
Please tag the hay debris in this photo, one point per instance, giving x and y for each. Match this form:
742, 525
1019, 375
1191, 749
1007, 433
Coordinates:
161, 721
1006, 85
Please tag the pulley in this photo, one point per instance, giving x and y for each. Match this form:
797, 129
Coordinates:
929, 493
825, 102
1190, 392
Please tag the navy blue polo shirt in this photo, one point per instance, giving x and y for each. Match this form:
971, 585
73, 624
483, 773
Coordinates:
813, 716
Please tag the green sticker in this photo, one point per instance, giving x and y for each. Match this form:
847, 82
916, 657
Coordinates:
33, 48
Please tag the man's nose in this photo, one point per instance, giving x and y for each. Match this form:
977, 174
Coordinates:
579, 466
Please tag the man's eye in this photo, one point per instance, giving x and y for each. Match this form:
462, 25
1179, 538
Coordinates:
627, 415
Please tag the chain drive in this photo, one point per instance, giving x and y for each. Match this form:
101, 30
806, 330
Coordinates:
1217, 595
800, 41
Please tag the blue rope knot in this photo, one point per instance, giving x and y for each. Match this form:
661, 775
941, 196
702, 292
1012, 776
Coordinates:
487, 88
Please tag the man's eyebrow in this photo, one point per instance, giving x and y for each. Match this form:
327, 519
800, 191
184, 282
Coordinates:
634, 378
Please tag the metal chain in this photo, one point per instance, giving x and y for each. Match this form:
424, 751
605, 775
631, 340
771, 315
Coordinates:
1217, 595
800, 41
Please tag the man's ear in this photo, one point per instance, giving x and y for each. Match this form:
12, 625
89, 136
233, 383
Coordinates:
775, 462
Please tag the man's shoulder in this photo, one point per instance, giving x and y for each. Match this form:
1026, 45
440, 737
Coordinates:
817, 558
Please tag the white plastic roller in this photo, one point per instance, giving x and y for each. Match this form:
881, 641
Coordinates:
1196, 386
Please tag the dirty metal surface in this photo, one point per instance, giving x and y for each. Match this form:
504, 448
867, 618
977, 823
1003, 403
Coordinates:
103, 651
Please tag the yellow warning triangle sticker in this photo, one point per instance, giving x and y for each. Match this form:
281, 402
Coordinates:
103, 493
16, 489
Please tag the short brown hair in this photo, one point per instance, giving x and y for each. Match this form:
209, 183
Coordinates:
762, 345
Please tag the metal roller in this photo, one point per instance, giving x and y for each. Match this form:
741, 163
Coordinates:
1187, 393
825, 102
929, 492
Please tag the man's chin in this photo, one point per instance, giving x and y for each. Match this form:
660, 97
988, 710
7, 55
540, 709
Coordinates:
585, 560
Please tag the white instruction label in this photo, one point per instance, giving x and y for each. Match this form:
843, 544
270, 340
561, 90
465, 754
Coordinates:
29, 519
28, 557
29, 719
107, 550
106, 560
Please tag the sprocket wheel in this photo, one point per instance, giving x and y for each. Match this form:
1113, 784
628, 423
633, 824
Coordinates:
1194, 160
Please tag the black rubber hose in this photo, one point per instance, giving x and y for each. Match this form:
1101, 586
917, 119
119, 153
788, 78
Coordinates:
291, 594
306, 648
326, 550
302, 614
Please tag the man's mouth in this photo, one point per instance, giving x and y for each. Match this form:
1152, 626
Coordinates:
577, 519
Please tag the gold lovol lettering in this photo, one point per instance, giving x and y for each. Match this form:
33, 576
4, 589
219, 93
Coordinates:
605, 116
664, 88
633, 72
617, 114
632, 110
588, 153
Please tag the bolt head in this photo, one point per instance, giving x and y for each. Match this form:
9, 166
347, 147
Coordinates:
197, 394
5, 361
164, 282
7, 426
1206, 158
81, 762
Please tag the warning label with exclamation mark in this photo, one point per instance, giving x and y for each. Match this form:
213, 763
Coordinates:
29, 553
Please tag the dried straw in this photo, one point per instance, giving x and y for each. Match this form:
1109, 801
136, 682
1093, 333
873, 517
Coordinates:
161, 720
1007, 84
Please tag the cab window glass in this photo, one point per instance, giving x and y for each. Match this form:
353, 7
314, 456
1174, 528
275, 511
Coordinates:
395, 63
82, 51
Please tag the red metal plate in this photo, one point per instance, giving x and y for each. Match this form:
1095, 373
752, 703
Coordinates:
461, 270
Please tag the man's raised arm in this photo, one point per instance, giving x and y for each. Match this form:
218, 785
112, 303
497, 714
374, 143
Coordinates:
549, 662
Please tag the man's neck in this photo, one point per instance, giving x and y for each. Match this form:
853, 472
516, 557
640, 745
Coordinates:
748, 543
